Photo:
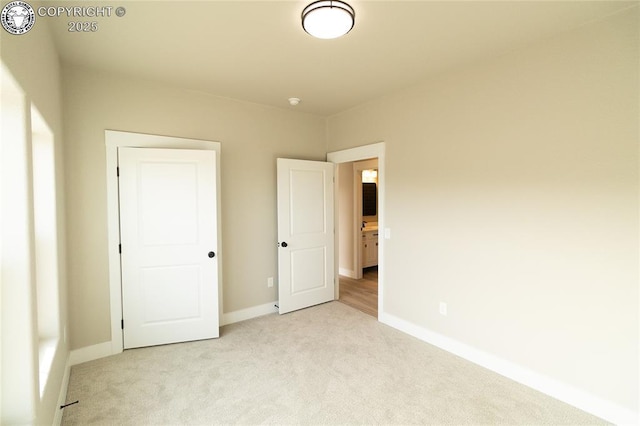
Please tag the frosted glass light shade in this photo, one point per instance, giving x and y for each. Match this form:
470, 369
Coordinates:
328, 19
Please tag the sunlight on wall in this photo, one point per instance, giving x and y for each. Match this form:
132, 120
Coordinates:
29, 255
46, 243
19, 382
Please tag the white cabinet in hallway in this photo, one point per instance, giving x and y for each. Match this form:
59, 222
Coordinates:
369, 248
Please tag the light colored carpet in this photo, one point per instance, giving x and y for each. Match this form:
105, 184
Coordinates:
328, 364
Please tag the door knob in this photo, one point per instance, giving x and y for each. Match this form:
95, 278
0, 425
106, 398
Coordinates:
284, 244
211, 255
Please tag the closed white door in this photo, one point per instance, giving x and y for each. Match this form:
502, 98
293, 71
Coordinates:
305, 234
169, 245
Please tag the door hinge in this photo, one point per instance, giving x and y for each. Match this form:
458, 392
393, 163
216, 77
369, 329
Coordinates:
122, 324
120, 248
118, 171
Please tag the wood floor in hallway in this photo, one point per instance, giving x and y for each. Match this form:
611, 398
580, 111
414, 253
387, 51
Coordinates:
361, 294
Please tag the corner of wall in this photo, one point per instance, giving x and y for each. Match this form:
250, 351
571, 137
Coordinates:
566, 393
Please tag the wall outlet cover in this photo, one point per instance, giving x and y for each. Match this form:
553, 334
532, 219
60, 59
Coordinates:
443, 308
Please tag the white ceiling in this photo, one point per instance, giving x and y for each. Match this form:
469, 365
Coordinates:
257, 51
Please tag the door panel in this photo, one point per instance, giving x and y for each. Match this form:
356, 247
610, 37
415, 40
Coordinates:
308, 268
170, 293
172, 189
307, 202
305, 234
168, 227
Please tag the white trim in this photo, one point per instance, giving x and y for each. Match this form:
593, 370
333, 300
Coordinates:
375, 150
249, 313
114, 140
347, 273
564, 392
62, 395
104, 349
357, 154
89, 353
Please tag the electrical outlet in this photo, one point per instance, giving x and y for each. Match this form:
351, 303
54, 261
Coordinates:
270, 282
443, 308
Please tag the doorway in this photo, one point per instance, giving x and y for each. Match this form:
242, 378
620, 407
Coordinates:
359, 244
114, 141
361, 294
358, 260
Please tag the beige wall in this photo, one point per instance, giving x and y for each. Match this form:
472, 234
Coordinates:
346, 261
33, 62
512, 195
251, 136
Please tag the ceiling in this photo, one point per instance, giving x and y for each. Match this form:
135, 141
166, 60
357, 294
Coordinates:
257, 51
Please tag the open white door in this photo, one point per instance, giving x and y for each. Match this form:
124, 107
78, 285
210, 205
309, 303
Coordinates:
305, 234
169, 244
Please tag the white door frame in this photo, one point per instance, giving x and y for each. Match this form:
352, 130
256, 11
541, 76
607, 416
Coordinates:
376, 150
114, 140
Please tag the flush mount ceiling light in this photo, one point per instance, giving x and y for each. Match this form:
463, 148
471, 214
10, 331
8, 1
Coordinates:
328, 18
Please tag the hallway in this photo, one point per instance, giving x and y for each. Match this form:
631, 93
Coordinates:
361, 294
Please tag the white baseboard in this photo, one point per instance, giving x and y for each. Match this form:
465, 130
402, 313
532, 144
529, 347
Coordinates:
347, 273
101, 350
62, 396
89, 353
245, 314
578, 398
566, 393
